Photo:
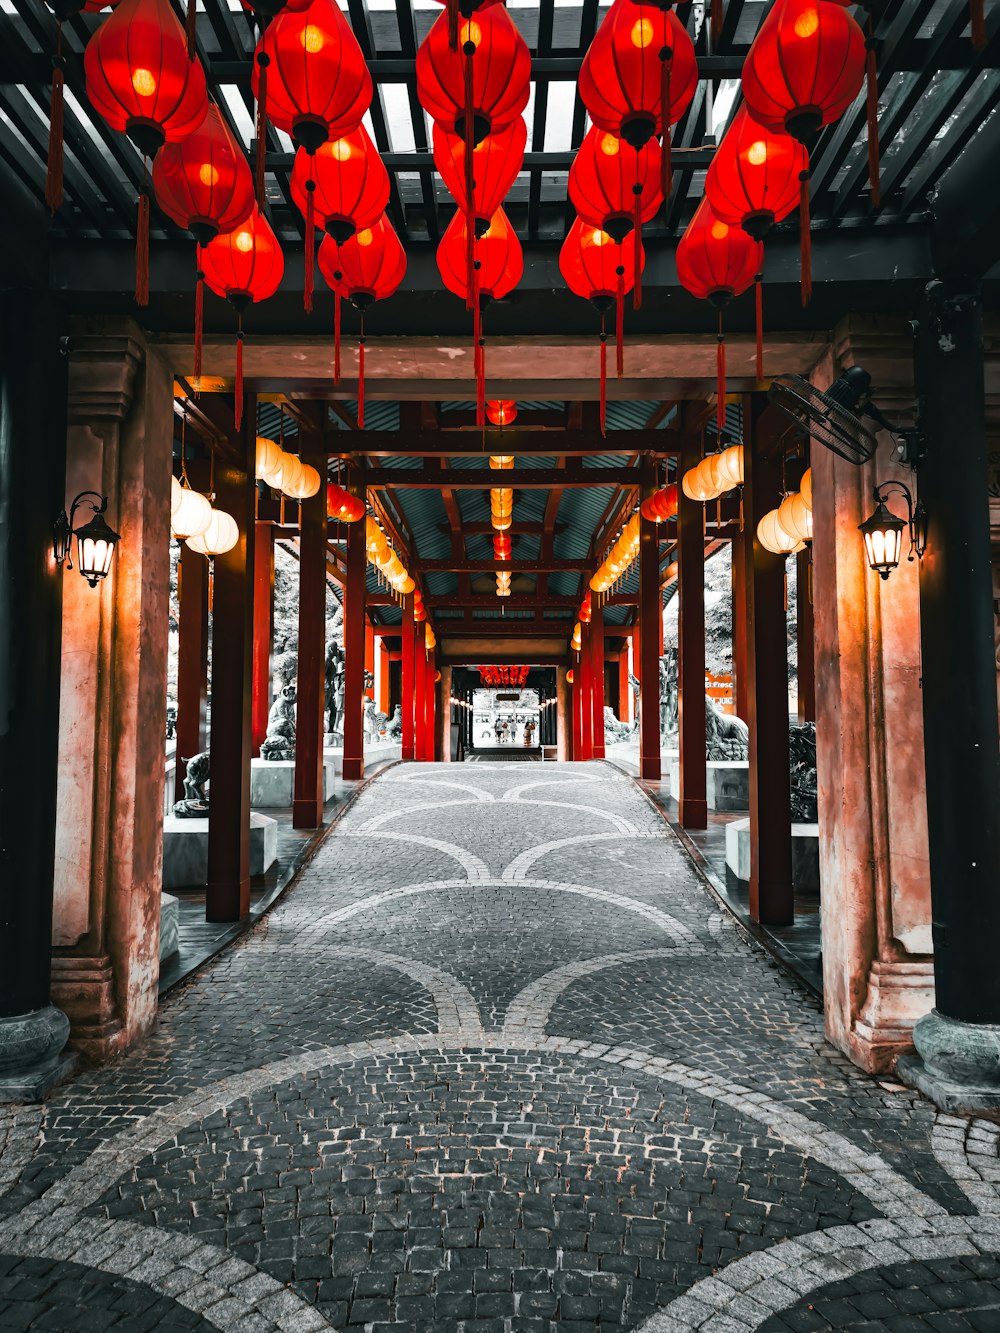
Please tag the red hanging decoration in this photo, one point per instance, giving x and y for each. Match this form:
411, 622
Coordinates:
622, 77
501, 412
759, 313
500, 73
262, 60
753, 181
716, 23
871, 113
498, 254
720, 377
238, 387
977, 24
351, 184
54, 170
310, 247
318, 84
496, 160
336, 337
199, 320
620, 322
604, 379
661, 505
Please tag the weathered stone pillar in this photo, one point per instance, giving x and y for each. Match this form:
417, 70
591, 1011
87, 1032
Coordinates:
877, 971
109, 840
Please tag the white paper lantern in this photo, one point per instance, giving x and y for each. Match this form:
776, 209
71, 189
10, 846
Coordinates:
796, 518
693, 484
176, 495
773, 537
192, 514
220, 536
806, 488
291, 476
311, 481
269, 456
731, 466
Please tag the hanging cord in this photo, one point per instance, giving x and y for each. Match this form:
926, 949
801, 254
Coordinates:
666, 163
620, 323
758, 284
310, 256
54, 170
720, 372
977, 24
199, 319
191, 28
637, 248
211, 472
871, 106
477, 343
184, 474
142, 240
469, 50
604, 378
361, 375
805, 237
238, 409
716, 22
453, 24
260, 161
336, 336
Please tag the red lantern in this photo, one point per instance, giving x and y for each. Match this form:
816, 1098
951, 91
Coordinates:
342, 505
661, 505
205, 186
715, 262
366, 268
584, 613
639, 76
496, 160
464, 7
616, 187
244, 266
502, 546
351, 184
139, 78
497, 268
602, 272
482, 87
753, 181
501, 412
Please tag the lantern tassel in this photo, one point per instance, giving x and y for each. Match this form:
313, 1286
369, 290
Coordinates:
477, 350
620, 326
666, 163
199, 322
720, 373
238, 406
54, 171
637, 254
805, 238
716, 23
470, 180
191, 28
142, 248
977, 24
759, 304
336, 337
361, 375
481, 384
604, 379
871, 103
260, 161
310, 258
453, 24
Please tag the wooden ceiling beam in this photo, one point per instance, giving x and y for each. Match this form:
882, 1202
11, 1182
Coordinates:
538, 479
423, 443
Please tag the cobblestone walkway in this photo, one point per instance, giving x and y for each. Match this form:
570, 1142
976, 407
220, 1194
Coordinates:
497, 1063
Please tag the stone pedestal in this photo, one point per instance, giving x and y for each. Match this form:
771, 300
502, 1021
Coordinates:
957, 1065
727, 783
272, 783
805, 854
185, 849
170, 940
32, 1059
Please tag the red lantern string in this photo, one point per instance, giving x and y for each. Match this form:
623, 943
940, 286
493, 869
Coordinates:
637, 252
361, 375
620, 323
716, 22
310, 257
142, 242
871, 102
238, 406
604, 379
666, 165
453, 24
199, 319
720, 374
54, 172
805, 238
759, 304
191, 28
977, 24
469, 50
336, 337
260, 162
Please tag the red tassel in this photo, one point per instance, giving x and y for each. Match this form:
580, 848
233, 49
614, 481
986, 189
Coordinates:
805, 238
361, 378
637, 254
620, 326
716, 23
238, 406
604, 379
142, 249
720, 375
977, 24
874, 180
307, 290
477, 350
481, 385
54, 173
453, 24
199, 322
336, 337
260, 162
759, 303
666, 164
191, 27
470, 180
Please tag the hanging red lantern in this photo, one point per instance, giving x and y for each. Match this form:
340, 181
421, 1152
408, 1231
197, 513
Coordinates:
342, 505
244, 266
661, 505
584, 613
483, 86
639, 76
205, 186
496, 161
603, 273
617, 188
463, 8
351, 184
715, 262
140, 80
502, 546
501, 412
368, 267
804, 69
753, 180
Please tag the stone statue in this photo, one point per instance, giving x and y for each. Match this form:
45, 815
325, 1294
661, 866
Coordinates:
374, 723
614, 730
195, 803
633, 681
726, 735
668, 692
334, 689
802, 767
395, 727
171, 721
279, 743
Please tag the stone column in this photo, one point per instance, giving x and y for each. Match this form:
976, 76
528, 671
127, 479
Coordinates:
32, 470
877, 971
109, 842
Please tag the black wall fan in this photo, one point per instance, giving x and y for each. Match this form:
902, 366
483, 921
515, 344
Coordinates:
835, 417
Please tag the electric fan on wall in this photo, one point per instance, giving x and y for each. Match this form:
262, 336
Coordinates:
834, 417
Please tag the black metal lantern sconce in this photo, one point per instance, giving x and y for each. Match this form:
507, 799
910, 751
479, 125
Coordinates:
883, 532
95, 540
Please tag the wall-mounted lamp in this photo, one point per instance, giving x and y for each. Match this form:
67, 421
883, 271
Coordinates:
883, 532
95, 541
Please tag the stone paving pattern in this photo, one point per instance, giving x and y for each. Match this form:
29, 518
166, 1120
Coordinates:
497, 1062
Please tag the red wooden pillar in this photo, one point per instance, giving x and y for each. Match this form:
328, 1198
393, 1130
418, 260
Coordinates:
804, 637
692, 804
227, 896
576, 702
307, 798
383, 679
192, 661
650, 639
408, 683
586, 697
419, 693
354, 652
597, 676
263, 631
739, 627
624, 688
771, 900
369, 658
430, 709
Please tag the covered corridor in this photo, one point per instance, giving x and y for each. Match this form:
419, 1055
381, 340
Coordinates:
497, 1061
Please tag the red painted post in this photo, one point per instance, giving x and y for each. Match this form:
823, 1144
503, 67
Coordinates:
263, 631
586, 697
739, 627
597, 676
369, 658
354, 653
383, 680
430, 706
804, 637
408, 678
624, 689
419, 693
577, 706
650, 638
307, 797
192, 661
692, 805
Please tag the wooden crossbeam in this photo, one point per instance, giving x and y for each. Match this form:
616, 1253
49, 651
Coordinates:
568, 443
540, 479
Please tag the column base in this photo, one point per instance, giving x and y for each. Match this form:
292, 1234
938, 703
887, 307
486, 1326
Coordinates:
693, 813
353, 769
957, 1065
84, 989
32, 1059
898, 994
